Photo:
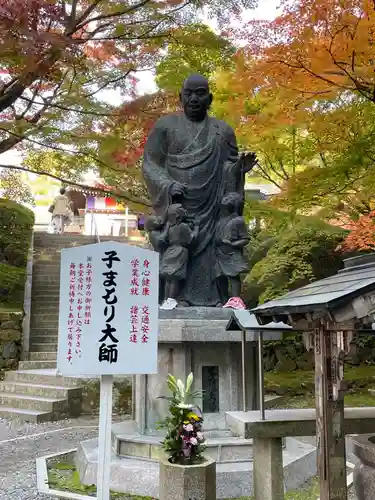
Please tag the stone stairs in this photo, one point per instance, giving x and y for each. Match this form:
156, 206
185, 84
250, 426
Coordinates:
34, 392
39, 396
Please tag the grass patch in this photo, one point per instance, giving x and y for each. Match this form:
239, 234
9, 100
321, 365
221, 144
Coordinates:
301, 382
63, 476
310, 491
352, 399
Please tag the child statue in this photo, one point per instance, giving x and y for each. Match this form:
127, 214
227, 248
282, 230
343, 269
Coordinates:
231, 238
173, 264
157, 237
156, 232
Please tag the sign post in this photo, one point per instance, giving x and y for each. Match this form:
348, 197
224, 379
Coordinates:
105, 429
108, 324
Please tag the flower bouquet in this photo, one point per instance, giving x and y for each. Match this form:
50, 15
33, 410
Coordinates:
184, 442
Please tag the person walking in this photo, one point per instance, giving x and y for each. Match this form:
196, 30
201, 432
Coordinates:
61, 212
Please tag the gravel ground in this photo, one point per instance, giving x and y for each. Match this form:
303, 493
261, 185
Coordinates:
21, 444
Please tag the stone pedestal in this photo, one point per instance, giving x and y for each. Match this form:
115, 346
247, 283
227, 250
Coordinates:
268, 469
204, 347
190, 340
190, 482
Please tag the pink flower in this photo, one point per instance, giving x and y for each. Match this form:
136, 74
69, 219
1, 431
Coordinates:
188, 428
200, 436
193, 441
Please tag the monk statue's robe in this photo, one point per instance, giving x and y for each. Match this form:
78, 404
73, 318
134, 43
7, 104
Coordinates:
204, 157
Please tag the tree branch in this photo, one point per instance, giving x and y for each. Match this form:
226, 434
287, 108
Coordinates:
118, 13
107, 192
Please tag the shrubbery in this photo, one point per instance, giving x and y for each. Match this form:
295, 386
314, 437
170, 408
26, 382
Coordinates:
16, 225
290, 252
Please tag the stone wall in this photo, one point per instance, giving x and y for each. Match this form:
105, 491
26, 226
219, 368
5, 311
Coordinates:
10, 341
122, 396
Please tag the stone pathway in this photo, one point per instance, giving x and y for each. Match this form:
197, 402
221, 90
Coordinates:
21, 444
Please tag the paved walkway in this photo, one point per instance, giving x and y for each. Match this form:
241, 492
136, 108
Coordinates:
21, 444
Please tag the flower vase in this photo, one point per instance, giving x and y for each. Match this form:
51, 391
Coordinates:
187, 482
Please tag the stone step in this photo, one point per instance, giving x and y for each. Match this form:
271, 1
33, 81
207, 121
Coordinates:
44, 347
54, 392
229, 449
31, 402
36, 365
43, 356
48, 309
49, 316
39, 338
24, 415
51, 293
40, 276
45, 325
53, 266
39, 288
47, 376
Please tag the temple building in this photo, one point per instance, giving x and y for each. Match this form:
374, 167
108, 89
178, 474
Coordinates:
96, 213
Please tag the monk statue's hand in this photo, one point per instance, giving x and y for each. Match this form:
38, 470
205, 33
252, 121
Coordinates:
248, 162
178, 189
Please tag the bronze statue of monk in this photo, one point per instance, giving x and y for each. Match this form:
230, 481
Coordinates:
192, 158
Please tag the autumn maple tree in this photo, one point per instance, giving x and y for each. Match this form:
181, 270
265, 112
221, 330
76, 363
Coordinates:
59, 56
315, 49
302, 96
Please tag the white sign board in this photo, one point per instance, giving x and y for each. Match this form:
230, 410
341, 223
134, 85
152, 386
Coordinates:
108, 319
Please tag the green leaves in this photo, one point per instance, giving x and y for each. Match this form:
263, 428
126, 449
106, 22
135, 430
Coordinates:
192, 49
301, 250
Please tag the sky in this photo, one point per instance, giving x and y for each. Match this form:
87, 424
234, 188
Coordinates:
268, 9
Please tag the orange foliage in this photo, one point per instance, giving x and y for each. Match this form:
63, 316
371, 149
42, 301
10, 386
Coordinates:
362, 235
314, 50
134, 124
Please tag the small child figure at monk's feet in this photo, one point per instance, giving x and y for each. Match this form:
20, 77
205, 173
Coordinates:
173, 265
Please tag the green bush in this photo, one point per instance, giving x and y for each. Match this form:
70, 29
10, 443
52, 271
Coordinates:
12, 283
16, 225
298, 252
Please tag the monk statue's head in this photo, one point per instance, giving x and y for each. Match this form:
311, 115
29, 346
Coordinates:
195, 97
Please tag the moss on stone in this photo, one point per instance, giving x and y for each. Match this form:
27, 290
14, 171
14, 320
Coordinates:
63, 476
122, 396
301, 382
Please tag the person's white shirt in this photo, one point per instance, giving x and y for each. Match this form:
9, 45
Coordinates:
61, 205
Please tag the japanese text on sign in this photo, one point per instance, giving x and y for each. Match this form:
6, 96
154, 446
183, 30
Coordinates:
140, 315
108, 350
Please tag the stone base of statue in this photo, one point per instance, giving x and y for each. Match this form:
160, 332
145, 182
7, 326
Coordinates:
194, 340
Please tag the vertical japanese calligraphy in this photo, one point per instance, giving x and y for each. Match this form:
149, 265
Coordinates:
80, 305
88, 294
140, 314
108, 350
134, 318
134, 280
146, 278
72, 303
145, 325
